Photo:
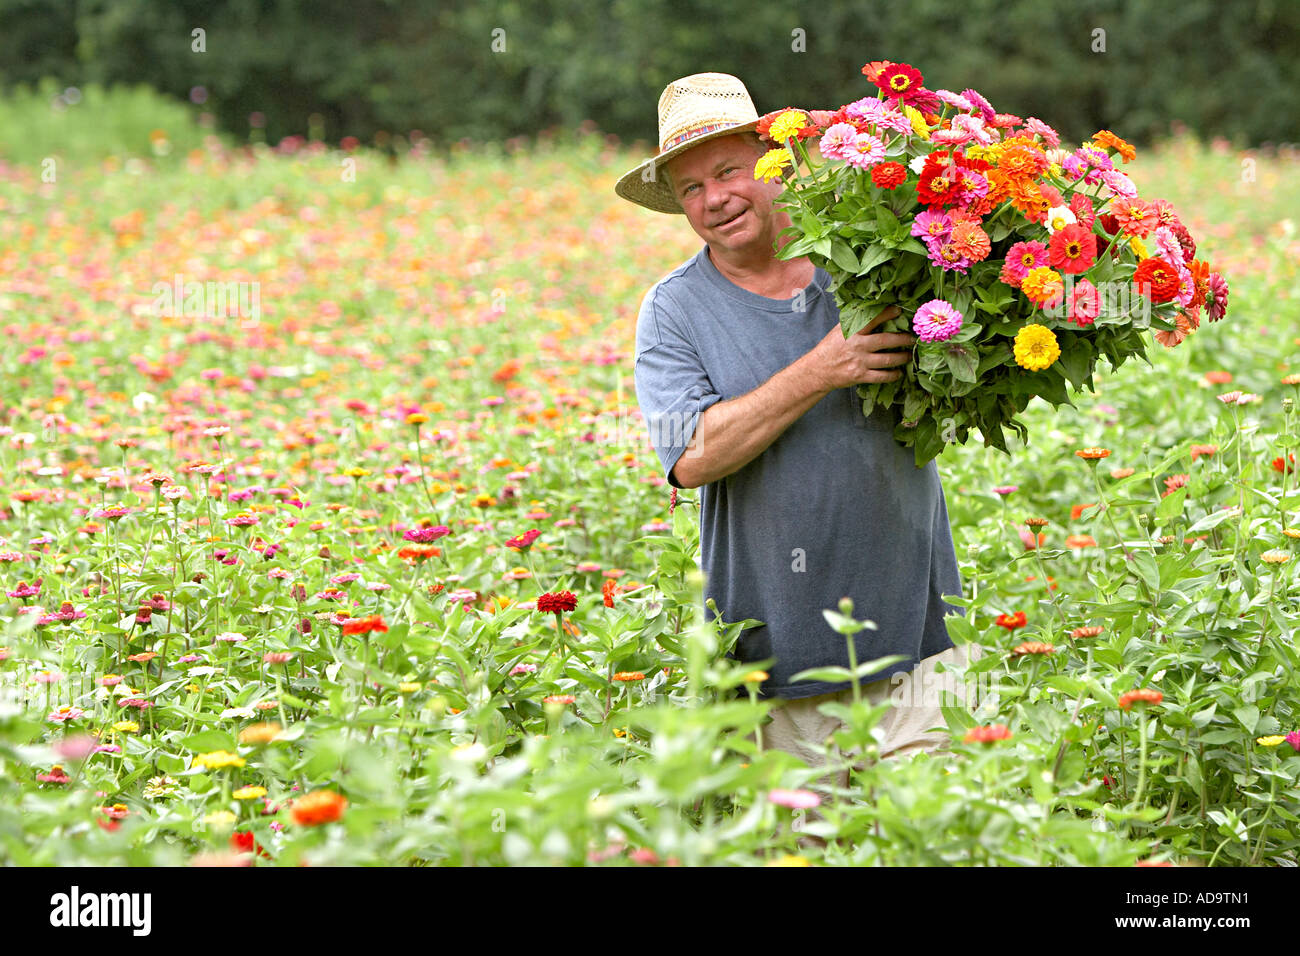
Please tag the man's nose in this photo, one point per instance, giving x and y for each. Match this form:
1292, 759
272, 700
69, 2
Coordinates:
715, 195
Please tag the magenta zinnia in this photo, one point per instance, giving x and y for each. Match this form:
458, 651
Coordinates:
936, 321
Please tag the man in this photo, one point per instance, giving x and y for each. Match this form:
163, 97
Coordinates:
747, 385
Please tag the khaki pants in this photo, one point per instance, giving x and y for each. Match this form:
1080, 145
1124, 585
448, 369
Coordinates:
909, 727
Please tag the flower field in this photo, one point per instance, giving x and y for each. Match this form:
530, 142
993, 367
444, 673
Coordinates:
330, 535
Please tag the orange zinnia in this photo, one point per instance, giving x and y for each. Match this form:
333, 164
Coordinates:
1081, 541
1108, 140
317, 807
1144, 695
1032, 647
1093, 454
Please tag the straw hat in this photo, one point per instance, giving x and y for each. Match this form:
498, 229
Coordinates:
692, 110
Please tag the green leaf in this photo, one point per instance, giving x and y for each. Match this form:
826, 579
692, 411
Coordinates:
843, 256
1248, 716
838, 675
1171, 506
963, 362
874, 255
208, 741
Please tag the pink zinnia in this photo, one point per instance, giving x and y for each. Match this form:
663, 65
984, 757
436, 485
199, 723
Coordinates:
1293, 739
837, 139
1085, 303
524, 541
1119, 183
980, 105
932, 224
1081, 206
1021, 259
1218, 307
1037, 127
425, 535
936, 321
794, 799
864, 152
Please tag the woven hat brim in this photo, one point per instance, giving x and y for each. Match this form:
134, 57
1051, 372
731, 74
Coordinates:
653, 192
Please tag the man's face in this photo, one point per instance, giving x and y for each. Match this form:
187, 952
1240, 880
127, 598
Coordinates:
726, 206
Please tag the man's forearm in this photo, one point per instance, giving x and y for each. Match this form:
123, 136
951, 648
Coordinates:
731, 434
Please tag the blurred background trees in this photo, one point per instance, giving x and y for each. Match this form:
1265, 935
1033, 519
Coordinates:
495, 69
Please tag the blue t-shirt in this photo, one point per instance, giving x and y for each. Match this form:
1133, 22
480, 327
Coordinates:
833, 508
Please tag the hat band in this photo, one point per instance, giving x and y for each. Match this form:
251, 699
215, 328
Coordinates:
691, 132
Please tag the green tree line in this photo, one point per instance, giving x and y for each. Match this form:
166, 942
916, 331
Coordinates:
495, 69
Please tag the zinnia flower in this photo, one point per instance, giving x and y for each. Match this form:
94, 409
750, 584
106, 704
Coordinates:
864, 152
1021, 258
886, 175
794, 799
1073, 249
899, 81
936, 321
561, 601
366, 625
1156, 279
317, 807
1012, 622
1143, 695
774, 162
1036, 348
1043, 287
988, 734
1032, 647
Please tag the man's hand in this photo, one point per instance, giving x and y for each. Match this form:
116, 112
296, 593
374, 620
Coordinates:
861, 358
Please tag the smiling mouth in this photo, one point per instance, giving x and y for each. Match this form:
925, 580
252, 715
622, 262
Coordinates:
729, 221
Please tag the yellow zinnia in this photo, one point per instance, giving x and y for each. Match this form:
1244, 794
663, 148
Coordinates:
1271, 741
218, 759
126, 727
772, 164
787, 126
919, 126
1036, 348
251, 792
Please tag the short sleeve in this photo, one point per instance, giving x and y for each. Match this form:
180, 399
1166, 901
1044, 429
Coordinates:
672, 387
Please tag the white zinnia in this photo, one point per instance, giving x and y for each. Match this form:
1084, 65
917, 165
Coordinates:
1060, 217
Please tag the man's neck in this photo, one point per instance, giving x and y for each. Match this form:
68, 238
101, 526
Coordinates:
771, 278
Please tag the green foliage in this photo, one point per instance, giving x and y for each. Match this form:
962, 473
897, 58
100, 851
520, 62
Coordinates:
473, 765
367, 67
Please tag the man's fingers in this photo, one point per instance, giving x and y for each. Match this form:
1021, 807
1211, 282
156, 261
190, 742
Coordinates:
886, 314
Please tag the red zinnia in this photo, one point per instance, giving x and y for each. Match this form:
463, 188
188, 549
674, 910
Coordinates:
940, 182
364, 625
1073, 248
899, 81
1012, 621
1156, 279
245, 843
561, 601
1280, 465
607, 591
889, 175
988, 734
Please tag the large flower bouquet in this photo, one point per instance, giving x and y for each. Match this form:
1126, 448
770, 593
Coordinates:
1016, 263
